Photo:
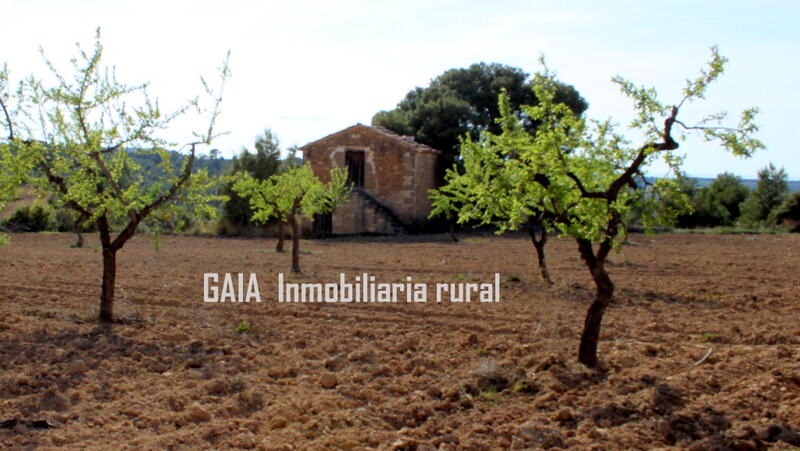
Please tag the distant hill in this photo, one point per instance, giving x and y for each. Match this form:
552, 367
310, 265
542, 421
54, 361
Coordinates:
794, 185
150, 162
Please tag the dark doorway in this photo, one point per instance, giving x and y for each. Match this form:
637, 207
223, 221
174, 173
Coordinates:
323, 224
354, 160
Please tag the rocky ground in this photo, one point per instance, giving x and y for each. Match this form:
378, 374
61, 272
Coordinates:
700, 351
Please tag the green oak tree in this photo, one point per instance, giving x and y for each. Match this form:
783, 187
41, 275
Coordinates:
292, 195
73, 137
585, 175
718, 203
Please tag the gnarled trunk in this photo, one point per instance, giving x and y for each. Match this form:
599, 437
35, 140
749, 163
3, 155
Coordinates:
587, 352
295, 244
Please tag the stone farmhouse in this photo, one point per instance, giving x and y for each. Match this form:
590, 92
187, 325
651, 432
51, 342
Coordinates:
390, 175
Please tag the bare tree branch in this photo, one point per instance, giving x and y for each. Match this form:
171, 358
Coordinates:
584, 193
8, 119
62, 187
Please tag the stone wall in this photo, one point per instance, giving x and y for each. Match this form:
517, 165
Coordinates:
397, 172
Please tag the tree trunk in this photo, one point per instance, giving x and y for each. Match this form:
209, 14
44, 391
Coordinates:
110, 249
587, 352
77, 228
452, 231
109, 279
79, 239
281, 236
539, 245
295, 244
109, 272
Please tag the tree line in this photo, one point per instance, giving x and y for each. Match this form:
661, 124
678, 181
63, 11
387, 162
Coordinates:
728, 202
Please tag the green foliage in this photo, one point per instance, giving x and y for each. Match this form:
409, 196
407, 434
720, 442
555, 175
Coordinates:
72, 135
12, 170
718, 204
770, 192
261, 165
581, 177
66, 219
296, 192
245, 328
462, 101
291, 160
519, 387
292, 194
708, 337
677, 199
30, 218
788, 213
152, 169
78, 148
582, 173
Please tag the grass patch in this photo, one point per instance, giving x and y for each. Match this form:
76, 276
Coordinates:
708, 337
245, 328
519, 387
490, 395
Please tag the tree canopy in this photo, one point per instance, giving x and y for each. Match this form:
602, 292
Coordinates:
584, 175
462, 101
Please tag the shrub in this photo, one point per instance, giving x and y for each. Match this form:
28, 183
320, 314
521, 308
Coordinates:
30, 218
65, 219
770, 192
718, 203
788, 212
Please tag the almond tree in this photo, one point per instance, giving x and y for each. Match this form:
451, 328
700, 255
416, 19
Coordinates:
585, 176
73, 138
291, 195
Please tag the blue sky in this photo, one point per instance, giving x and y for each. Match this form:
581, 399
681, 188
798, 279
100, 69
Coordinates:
307, 68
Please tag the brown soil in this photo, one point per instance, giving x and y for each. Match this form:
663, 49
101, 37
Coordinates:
174, 374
